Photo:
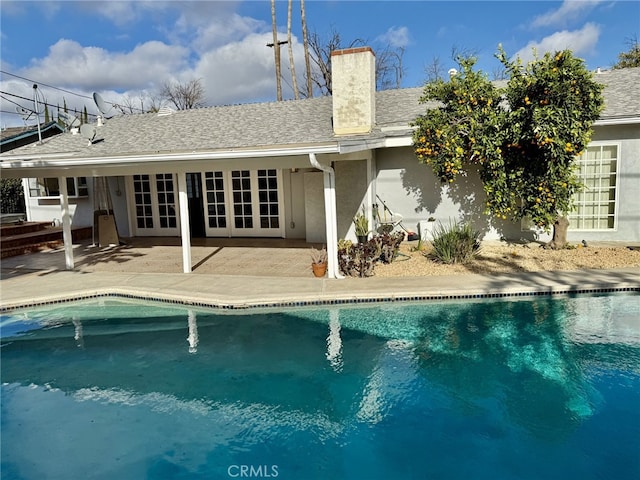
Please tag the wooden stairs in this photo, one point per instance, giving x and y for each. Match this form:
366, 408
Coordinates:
28, 237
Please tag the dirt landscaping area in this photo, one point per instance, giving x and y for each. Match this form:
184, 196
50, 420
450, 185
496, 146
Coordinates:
502, 257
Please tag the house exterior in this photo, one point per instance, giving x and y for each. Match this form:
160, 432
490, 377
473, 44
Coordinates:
15, 137
303, 168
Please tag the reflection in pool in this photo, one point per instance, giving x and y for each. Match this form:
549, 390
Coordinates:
530, 389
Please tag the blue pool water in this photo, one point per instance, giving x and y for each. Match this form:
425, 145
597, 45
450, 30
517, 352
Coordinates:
547, 388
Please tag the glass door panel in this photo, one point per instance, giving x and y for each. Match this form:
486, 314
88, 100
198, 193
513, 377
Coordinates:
255, 202
216, 207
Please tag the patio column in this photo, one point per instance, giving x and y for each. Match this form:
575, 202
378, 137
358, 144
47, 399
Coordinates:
67, 238
185, 232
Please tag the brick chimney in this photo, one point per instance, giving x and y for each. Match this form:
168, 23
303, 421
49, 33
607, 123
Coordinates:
353, 81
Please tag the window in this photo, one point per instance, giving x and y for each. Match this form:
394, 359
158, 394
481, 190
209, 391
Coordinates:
596, 204
49, 187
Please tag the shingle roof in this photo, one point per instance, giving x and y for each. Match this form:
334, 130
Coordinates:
621, 93
15, 137
287, 124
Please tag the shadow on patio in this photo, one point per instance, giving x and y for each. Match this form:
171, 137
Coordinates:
227, 256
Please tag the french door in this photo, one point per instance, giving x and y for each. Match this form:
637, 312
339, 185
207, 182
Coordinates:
244, 203
240, 203
155, 200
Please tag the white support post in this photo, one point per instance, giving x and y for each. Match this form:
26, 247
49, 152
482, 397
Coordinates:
66, 223
185, 232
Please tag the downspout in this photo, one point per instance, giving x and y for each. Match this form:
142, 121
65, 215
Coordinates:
330, 216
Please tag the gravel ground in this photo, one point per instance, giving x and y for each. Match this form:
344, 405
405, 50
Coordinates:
500, 257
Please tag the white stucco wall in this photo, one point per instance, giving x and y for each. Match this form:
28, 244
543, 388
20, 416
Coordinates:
315, 225
351, 192
294, 204
47, 209
117, 187
628, 202
411, 189
81, 208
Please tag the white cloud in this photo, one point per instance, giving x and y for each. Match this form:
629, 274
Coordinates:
123, 13
579, 41
395, 37
71, 64
119, 13
570, 11
223, 30
244, 71
205, 40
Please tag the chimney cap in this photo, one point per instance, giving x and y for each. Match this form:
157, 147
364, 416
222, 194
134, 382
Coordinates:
349, 51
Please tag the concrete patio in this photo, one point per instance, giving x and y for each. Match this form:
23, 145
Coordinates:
241, 273
237, 256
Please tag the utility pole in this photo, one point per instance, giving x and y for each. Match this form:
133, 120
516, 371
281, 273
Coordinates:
306, 49
276, 47
276, 50
296, 94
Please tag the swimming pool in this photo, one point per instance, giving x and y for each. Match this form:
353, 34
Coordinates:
542, 388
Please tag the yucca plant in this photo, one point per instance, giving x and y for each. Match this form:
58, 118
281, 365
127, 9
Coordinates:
454, 243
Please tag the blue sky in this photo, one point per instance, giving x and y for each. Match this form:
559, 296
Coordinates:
128, 49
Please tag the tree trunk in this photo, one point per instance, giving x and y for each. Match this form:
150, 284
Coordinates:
559, 233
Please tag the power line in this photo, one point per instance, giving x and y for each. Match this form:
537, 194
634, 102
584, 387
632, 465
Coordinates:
10, 101
46, 85
30, 100
10, 113
63, 90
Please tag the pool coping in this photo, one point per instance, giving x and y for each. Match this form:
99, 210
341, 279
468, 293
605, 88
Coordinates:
306, 303
241, 293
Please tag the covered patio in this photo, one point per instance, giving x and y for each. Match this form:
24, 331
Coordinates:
257, 257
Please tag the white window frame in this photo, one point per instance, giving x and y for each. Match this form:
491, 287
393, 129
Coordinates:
572, 215
38, 187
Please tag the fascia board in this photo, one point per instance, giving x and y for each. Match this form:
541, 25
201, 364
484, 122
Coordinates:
62, 160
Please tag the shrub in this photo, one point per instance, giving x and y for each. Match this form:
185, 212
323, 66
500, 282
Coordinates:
12, 195
455, 243
390, 243
358, 260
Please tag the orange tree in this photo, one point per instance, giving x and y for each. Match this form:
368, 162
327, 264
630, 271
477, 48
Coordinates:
524, 136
